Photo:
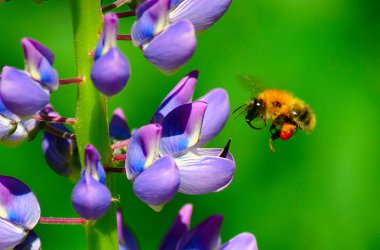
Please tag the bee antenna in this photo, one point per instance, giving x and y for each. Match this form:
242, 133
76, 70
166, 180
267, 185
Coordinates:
242, 108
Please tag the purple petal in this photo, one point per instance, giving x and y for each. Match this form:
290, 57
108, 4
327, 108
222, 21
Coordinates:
18, 204
21, 95
158, 184
90, 198
202, 13
217, 113
205, 236
244, 241
152, 18
110, 72
181, 128
7, 126
181, 94
142, 149
201, 174
108, 38
119, 129
33, 50
11, 234
173, 47
180, 226
32, 242
60, 154
93, 168
39, 61
127, 240
48, 76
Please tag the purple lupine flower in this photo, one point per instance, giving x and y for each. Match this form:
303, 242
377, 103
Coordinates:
19, 212
14, 131
127, 240
91, 197
180, 127
24, 93
205, 236
61, 154
201, 13
165, 29
119, 129
110, 71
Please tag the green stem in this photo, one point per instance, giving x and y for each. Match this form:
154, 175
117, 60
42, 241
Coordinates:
91, 114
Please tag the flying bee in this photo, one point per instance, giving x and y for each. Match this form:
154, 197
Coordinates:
285, 112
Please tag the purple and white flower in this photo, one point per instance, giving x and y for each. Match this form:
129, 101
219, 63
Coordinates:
205, 236
165, 30
110, 71
25, 92
91, 198
19, 214
165, 157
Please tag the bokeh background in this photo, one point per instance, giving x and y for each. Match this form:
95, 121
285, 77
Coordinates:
315, 192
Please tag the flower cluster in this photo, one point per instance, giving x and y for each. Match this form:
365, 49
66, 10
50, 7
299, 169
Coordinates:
205, 236
162, 158
165, 30
165, 157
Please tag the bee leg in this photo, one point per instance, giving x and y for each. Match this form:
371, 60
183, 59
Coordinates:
275, 135
250, 124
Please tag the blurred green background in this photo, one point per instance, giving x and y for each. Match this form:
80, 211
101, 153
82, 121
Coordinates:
315, 192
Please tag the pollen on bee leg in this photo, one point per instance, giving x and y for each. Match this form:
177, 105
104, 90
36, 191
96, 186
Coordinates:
287, 131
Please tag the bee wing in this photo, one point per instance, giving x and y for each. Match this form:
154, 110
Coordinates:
252, 83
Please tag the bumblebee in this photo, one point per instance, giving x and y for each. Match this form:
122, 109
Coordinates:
285, 112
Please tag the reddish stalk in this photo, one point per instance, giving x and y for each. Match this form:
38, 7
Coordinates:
62, 221
115, 5
115, 170
57, 132
126, 14
69, 81
124, 37
54, 119
117, 158
120, 144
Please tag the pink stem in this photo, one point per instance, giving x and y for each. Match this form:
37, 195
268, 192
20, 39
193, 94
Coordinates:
62, 221
120, 144
69, 81
124, 37
54, 119
119, 157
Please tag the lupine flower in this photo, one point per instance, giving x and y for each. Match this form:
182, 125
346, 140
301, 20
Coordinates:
165, 29
24, 93
91, 197
164, 157
126, 239
119, 129
110, 71
14, 131
19, 213
61, 154
205, 236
